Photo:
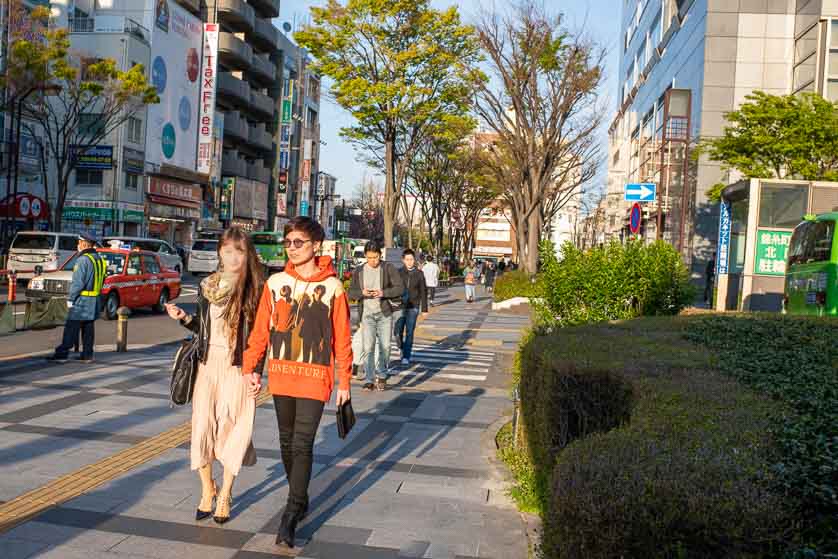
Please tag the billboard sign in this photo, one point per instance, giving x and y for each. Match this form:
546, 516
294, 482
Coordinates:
95, 157
228, 188
206, 107
723, 252
172, 131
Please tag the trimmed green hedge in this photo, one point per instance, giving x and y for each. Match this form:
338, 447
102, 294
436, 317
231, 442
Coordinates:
516, 283
793, 360
671, 459
614, 282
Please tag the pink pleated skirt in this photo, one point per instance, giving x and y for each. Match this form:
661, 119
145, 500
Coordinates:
222, 415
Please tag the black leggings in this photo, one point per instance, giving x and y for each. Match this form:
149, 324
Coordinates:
297, 419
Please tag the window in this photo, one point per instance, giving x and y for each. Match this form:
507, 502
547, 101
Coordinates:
91, 125
782, 206
88, 177
135, 130
166, 249
812, 242
655, 34
150, 264
134, 268
67, 243
132, 181
311, 118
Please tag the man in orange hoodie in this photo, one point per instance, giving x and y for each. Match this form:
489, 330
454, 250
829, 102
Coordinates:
300, 387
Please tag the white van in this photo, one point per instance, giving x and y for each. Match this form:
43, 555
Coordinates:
40, 248
167, 253
203, 257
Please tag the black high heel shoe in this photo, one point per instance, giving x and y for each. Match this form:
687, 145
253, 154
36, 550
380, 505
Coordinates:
204, 514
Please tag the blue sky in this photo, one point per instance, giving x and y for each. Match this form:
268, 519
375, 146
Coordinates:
601, 19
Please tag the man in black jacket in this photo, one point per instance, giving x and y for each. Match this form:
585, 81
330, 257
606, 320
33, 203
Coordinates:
376, 286
415, 300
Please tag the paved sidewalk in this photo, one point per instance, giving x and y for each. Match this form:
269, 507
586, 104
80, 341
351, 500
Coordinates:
413, 479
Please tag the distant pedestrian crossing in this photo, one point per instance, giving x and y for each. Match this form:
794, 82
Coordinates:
442, 363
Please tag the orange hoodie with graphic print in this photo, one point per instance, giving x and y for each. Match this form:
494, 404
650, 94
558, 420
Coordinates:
320, 334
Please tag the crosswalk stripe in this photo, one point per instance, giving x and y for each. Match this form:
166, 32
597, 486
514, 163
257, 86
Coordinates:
458, 352
451, 376
474, 364
442, 353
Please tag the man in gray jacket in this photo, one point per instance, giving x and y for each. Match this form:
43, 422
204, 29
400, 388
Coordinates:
83, 301
376, 286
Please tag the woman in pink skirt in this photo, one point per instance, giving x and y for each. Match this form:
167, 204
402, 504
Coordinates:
222, 411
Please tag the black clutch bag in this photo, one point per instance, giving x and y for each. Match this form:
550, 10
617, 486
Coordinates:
345, 418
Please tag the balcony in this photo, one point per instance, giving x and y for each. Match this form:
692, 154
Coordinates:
236, 14
263, 69
233, 52
266, 8
261, 104
109, 24
232, 164
260, 138
231, 86
265, 36
235, 125
258, 172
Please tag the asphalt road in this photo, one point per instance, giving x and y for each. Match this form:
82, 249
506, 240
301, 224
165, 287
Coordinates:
144, 326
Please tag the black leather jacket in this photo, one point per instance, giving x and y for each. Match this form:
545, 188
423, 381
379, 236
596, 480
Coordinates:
199, 323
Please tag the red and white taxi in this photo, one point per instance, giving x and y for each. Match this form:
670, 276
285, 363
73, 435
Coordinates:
135, 278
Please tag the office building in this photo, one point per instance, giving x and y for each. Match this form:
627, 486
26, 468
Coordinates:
683, 65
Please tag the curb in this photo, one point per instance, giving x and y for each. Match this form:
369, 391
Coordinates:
509, 303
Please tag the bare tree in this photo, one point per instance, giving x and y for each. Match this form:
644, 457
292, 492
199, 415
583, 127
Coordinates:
370, 223
542, 103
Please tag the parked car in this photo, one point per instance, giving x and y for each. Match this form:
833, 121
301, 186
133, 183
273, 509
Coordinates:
203, 257
168, 255
135, 279
40, 248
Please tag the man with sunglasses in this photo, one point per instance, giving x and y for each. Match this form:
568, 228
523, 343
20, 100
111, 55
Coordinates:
374, 285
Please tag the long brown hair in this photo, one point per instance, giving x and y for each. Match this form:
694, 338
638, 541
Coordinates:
244, 301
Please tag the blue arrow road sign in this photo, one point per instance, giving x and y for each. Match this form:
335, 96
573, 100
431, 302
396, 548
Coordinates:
641, 192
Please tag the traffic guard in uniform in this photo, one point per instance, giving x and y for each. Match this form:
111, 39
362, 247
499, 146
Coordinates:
83, 301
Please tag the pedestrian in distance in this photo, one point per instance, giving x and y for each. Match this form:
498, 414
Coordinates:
709, 279
223, 407
83, 301
489, 276
470, 280
415, 300
431, 272
302, 384
376, 286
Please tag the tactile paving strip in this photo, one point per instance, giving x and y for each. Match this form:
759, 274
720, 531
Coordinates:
67, 487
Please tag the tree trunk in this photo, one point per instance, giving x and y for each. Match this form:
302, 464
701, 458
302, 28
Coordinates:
389, 192
530, 263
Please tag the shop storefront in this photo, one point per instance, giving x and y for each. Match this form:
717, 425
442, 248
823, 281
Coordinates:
174, 209
94, 217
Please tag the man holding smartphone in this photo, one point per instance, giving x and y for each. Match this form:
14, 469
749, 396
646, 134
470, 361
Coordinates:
374, 285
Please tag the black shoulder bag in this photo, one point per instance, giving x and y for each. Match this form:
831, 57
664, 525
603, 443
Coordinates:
184, 371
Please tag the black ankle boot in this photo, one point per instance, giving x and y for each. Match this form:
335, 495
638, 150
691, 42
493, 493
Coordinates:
287, 529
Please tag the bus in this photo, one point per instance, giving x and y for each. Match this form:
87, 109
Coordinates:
270, 250
811, 283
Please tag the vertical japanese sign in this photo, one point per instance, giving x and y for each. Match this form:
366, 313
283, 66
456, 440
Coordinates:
209, 74
723, 252
772, 247
228, 187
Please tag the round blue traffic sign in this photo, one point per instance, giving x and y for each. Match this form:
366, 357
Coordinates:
635, 218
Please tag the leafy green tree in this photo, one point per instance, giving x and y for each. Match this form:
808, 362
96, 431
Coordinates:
399, 67
70, 103
778, 136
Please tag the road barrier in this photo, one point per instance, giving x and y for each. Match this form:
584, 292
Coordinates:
45, 313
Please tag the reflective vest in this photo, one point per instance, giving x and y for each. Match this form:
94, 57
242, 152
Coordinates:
99, 270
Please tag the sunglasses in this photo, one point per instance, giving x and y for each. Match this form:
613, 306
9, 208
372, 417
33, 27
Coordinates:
298, 243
